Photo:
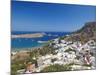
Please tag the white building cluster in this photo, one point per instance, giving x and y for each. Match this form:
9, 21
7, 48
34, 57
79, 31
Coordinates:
68, 52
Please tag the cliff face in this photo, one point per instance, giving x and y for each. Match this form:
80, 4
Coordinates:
86, 33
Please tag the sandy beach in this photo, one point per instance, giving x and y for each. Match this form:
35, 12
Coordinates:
34, 35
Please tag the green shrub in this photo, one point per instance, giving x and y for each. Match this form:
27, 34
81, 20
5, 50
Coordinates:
56, 68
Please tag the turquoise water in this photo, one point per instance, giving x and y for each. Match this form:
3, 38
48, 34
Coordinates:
33, 42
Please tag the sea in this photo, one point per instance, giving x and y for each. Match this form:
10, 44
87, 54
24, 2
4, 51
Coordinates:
19, 43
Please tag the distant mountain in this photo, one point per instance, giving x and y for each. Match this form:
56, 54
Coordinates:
86, 33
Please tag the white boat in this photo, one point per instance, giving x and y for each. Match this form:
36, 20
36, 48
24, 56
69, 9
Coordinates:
41, 41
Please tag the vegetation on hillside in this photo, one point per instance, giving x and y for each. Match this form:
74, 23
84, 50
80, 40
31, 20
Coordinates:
56, 68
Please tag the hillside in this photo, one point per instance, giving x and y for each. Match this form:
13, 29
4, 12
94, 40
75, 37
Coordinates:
86, 33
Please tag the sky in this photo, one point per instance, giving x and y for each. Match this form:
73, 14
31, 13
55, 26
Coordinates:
36, 16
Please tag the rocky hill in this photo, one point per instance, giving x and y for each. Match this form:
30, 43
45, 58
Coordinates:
86, 33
